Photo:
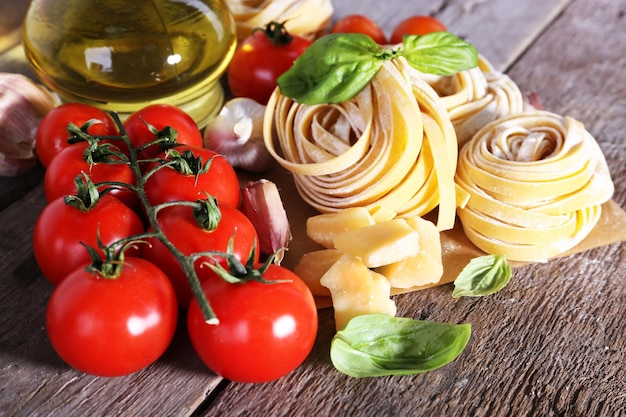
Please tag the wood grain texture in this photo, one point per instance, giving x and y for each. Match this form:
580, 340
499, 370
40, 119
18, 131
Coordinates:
500, 30
550, 344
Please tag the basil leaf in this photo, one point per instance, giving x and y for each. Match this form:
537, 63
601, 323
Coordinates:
439, 53
379, 344
483, 275
333, 69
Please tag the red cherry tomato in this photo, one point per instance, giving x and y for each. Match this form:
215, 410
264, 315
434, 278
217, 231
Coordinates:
112, 326
357, 23
260, 59
265, 330
179, 225
59, 177
220, 181
52, 132
416, 25
160, 116
60, 228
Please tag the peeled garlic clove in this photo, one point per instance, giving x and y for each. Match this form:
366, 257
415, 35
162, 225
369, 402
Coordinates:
22, 106
533, 101
237, 133
262, 204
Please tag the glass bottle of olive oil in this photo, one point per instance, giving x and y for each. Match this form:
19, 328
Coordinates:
122, 55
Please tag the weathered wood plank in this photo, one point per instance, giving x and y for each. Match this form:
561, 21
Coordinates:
500, 30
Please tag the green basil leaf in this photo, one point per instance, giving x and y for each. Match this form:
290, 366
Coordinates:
439, 53
333, 69
483, 275
379, 344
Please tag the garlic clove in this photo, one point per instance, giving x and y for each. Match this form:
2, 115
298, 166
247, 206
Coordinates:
22, 106
13, 167
533, 101
262, 204
237, 133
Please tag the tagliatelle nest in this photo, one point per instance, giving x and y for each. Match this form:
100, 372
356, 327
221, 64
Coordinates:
307, 18
536, 182
392, 146
476, 97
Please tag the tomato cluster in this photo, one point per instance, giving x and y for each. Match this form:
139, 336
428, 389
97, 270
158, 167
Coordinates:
138, 214
413, 25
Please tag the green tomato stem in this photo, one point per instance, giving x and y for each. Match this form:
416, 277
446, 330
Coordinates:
186, 262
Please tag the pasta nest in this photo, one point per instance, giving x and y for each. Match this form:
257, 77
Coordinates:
535, 184
307, 18
392, 146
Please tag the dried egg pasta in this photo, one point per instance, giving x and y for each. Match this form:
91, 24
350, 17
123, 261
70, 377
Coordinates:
393, 146
307, 18
476, 97
535, 181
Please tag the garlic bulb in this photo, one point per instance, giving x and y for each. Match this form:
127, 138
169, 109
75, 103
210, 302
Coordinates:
22, 106
237, 133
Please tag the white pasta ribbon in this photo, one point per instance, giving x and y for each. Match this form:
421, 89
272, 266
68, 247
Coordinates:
536, 182
306, 18
393, 146
477, 97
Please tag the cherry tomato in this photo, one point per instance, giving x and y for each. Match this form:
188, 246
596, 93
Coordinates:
52, 133
60, 228
261, 58
220, 180
357, 23
112, 326
160, 116
265, 330
179, 225
416, 25
59, 177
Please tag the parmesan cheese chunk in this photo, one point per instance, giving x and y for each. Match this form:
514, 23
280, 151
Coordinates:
355, 289
313, 265
426, 267
323, 228
382, 214
380, 244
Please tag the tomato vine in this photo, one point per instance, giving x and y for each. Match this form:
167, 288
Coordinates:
108, 153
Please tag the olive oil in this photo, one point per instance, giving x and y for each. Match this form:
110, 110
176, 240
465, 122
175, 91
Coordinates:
122, 55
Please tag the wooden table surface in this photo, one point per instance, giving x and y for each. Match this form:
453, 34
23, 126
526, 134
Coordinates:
550, 344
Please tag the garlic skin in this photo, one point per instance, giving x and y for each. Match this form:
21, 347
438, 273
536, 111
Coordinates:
237, 133
532, 101
262, 205
22, 106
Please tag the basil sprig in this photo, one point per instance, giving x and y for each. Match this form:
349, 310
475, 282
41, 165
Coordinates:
483, 275
336, 67
379, 344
